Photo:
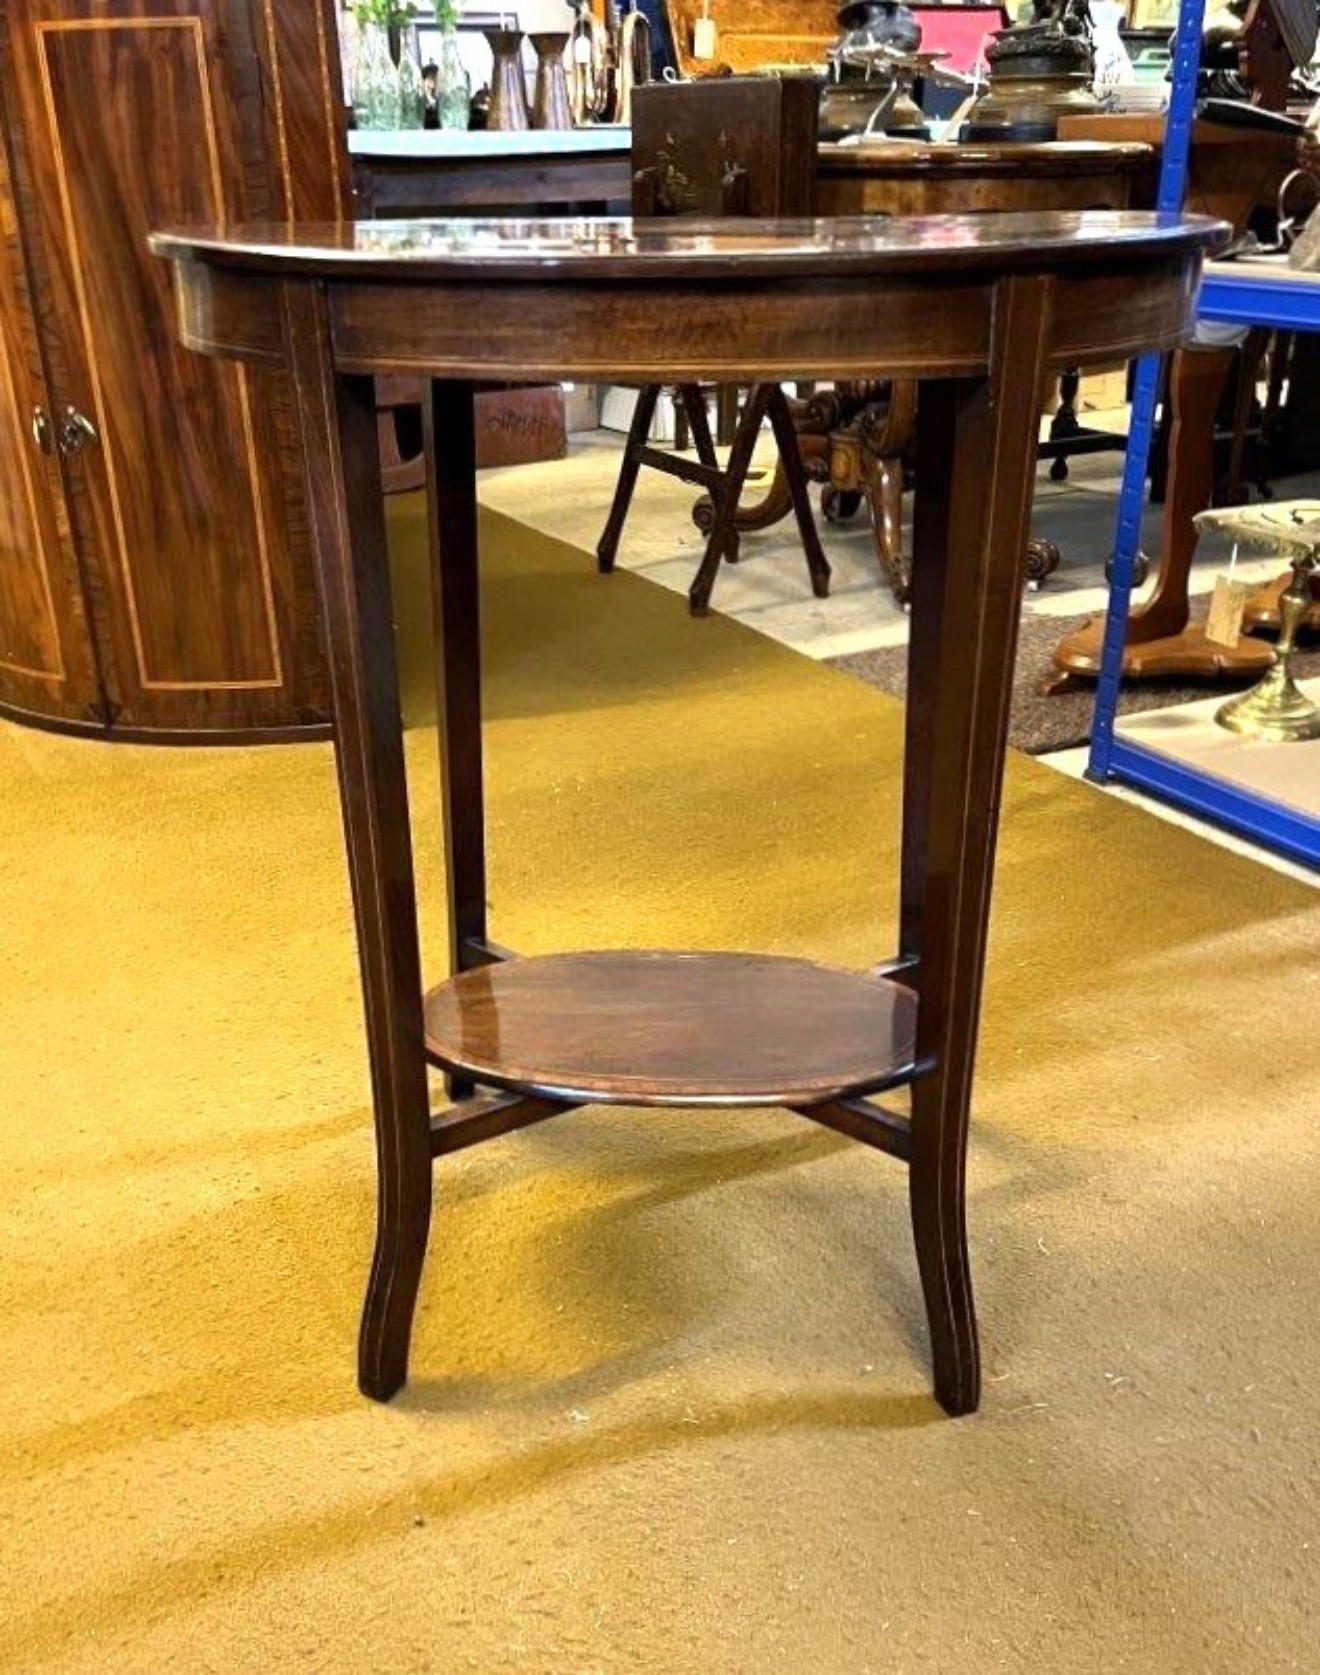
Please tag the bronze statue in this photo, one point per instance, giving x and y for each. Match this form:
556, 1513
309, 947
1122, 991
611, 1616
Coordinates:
1039, 71
1059, 33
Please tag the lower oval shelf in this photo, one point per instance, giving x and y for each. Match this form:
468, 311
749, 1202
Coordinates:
659, 1028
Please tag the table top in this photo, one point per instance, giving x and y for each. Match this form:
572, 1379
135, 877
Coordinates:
575, 251
641, 302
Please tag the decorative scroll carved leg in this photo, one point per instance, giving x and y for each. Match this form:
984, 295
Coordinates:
608, 547
1043, 559
337, 423
777, 501
775, 504
882, 482
975, 471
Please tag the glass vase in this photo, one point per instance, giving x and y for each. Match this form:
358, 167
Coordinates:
412, 93
375, 80
453, 91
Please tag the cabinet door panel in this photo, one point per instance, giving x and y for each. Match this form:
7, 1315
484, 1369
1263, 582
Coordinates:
173, 426
186, 505
46, 660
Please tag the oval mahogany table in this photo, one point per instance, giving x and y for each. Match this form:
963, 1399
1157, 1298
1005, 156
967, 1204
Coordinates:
981, 309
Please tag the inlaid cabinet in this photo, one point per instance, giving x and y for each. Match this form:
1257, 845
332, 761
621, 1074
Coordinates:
155, 572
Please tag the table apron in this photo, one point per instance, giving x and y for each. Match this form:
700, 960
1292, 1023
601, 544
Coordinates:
521, 331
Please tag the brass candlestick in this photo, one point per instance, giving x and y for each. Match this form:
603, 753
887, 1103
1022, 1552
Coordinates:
1275, 708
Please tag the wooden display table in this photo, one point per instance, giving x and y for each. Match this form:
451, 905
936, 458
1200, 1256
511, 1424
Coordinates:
978, 309
1231, 171
543, 171
854, 443
902, 177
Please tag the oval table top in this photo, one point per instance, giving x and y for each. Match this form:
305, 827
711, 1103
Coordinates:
633, 301
577, 250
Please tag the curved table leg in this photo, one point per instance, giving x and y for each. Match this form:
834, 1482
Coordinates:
337, 423
976, 466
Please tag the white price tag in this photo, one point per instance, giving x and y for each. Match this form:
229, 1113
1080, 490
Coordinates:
1227, 604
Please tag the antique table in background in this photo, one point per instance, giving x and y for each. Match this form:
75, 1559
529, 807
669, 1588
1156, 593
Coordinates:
542, 171
854, 439
980, 309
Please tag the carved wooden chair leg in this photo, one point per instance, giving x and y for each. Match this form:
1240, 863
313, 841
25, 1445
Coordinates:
608, 546
693, 404
774, 505
790, 460
723, 533
726, 413
882, 482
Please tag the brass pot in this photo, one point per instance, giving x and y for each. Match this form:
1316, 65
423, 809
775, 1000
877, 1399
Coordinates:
1025, 101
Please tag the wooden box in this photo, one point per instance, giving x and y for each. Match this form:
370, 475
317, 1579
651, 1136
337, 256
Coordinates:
519, 426
695, 131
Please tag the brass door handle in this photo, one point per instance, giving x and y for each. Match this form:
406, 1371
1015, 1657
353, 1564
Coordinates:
43, 433
76, 431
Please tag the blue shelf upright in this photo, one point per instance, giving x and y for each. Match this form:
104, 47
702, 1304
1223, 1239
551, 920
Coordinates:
1171, 192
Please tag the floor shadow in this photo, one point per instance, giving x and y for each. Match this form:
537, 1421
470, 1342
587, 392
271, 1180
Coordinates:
443, 1497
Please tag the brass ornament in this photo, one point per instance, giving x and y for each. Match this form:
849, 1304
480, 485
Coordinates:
1275, 709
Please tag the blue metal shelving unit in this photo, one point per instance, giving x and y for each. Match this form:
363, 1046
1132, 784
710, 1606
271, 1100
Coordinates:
1242, 296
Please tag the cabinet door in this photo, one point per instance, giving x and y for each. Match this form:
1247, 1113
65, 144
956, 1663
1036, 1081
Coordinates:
134, 114
47, 666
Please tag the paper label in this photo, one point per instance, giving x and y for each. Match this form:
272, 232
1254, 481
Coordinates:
1227, 604
703, 37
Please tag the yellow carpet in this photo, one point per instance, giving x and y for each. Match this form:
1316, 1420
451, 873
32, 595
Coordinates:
670, 1405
